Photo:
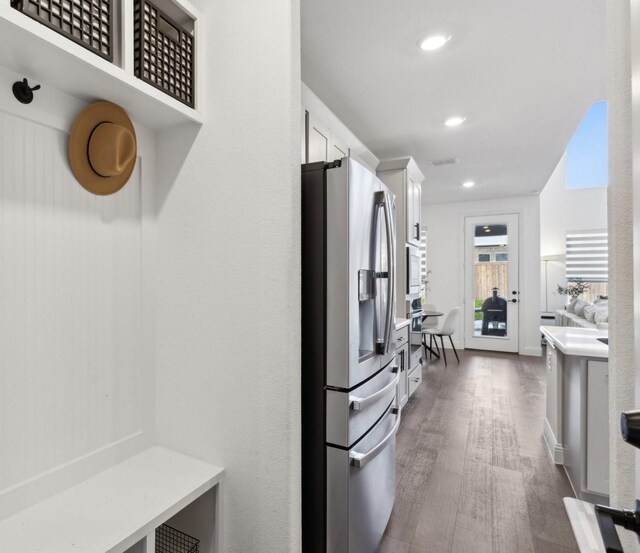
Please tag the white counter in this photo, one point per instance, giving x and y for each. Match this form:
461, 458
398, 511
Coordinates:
582, 342
401, 323
576, 423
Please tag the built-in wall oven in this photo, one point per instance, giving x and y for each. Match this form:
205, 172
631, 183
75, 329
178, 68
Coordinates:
413, 271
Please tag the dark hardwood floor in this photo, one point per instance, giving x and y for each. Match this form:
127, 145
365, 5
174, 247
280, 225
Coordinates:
473, 473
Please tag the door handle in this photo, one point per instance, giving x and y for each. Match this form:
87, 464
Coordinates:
514, 300
417, 225
359, 460
361, 403
382, 199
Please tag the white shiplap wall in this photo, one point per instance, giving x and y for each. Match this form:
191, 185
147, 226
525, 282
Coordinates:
70, 313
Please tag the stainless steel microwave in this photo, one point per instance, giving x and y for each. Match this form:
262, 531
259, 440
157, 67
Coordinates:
413, 270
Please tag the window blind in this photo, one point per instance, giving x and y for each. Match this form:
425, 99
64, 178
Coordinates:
587, 256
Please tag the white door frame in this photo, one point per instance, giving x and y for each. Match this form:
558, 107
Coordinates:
510, 343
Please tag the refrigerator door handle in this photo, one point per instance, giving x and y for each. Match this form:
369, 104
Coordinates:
361, 403
359, 460
385, 201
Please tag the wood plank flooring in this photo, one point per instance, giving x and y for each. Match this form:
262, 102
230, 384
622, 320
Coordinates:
473, 471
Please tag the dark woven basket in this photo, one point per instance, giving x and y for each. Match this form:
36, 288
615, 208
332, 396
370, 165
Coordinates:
86, 22
170, 540
164, 52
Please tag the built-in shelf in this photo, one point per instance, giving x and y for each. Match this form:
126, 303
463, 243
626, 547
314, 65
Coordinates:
45, 57
119, 509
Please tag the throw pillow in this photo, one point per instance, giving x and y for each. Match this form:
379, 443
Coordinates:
601, 316
579, 307
571, 307
589, 312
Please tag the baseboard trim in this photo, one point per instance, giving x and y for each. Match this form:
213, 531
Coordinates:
555, 449
46, 484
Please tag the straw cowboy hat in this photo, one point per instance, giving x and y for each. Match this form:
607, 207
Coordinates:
102, 148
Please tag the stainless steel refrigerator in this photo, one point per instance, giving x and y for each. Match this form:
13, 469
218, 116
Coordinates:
349, 374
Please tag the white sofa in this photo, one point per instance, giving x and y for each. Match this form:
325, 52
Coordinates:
596, 315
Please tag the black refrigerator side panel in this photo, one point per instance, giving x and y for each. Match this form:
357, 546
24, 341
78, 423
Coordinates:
313, 359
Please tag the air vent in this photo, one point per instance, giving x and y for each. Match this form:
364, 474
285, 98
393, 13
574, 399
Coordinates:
442, 162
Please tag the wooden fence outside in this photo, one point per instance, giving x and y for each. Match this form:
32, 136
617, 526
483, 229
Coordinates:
491, 275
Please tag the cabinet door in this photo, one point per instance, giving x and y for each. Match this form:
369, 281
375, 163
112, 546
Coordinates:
402, 359
413, 212
415, 379
418, 210
598, 427
338, 149
303, 139
318, 140
554, 395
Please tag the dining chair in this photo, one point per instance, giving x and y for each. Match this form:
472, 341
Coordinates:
429, 322
448, 327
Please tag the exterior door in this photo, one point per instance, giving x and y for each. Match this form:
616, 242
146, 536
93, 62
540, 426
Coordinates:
492, 285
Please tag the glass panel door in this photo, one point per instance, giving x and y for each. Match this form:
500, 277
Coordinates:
492, 290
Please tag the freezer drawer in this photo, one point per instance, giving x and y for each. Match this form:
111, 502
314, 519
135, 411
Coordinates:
352, 414
361, 487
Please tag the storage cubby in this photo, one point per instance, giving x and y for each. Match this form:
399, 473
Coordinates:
56, 61
119, 509
139, 547
195, 520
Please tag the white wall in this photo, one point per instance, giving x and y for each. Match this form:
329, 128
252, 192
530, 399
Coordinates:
445, 258
561, 211
621, 215
76, 373
228, 312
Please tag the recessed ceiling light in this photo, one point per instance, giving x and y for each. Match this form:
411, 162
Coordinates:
487, 230
468, 184
434, 42
455, 121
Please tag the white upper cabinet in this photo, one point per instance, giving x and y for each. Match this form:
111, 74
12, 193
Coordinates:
338, 149
319, 143
318, 140
413, 212
404, 178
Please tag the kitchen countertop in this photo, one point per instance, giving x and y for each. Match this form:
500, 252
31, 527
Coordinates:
585, 526
401, 323
577, 341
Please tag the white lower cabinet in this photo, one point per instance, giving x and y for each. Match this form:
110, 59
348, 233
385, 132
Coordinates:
585, 419
402, 359
597, 427
415, 379
403, 362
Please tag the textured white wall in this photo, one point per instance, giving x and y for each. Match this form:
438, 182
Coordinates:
563, 210
76, 379
621, 262
228, 258
445, 257
635, 105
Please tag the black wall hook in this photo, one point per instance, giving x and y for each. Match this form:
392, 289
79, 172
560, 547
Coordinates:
23, 92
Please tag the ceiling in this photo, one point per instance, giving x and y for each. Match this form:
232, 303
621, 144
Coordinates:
523, 73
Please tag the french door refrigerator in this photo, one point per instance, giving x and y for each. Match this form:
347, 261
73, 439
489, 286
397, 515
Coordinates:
349, 374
